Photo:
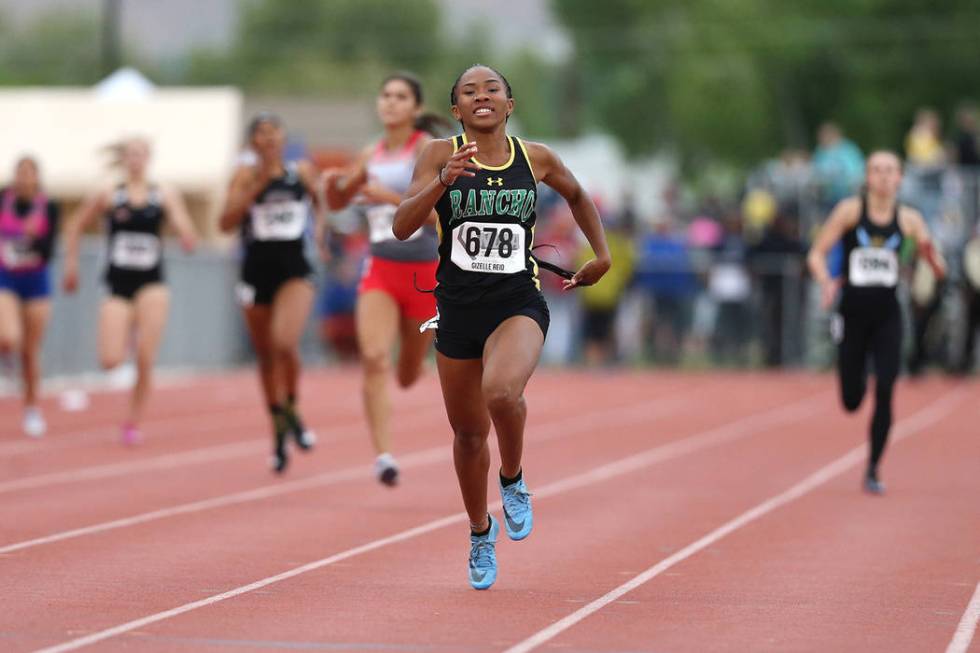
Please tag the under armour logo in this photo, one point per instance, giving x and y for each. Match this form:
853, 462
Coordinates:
499, 181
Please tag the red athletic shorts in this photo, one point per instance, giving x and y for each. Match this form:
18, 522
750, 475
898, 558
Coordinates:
396, 279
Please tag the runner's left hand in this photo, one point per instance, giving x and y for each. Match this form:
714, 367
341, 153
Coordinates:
588, 274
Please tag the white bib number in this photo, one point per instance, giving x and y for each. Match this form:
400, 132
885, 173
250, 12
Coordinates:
873, 266
279, 220
17, 254
135, 251
488, 247
380, 220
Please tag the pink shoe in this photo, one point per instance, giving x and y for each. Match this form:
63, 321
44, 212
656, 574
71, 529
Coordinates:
131, 435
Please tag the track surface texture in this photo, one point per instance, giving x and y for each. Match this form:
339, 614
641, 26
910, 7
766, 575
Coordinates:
673, 512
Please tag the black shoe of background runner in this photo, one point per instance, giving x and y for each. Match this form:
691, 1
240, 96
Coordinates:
297, 430
280, 458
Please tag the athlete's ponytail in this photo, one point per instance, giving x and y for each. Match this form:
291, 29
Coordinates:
117, 149
435, 125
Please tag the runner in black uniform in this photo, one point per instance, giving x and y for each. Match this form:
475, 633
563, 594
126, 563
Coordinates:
271, 204
873, 228
492, 318
134, 212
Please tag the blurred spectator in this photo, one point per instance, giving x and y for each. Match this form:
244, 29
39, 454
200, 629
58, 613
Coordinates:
923, 144
968, 158
600, 303
787, 178
925, 303
926, 161
777, 261
967, 147
665, 274
971, 268
338, 296
558, 235
730, 288
838, 166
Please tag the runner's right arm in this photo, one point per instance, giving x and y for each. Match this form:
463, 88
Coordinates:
94, 205
436, 170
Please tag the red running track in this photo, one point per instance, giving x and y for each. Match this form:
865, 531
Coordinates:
674, 512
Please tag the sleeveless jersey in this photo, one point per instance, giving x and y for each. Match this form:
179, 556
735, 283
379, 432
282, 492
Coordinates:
486, 229
18, 250
394, 172
134, 232
276, 223
871, 259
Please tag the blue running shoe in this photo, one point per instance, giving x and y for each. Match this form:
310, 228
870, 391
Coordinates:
872, 485
518, 518
483, 557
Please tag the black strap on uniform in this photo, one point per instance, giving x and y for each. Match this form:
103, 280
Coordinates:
551, 267
415, 282
544, 265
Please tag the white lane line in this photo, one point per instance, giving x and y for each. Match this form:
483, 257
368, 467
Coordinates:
608, 416
182, 423
84, 437
353, 428
913, 424
740, 427
967, 627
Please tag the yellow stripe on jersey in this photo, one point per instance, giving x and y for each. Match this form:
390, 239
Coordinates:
527, 158
534, 262
510, 140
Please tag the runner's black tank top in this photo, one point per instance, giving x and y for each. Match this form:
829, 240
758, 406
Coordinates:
871, 260
486, 229
134, 233
276, 224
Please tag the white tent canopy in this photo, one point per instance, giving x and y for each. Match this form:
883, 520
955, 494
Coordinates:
195, 133
124, 84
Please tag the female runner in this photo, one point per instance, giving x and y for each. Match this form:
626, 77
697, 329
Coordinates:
270, 203
389, 308
492, 317
869, 322
138, 299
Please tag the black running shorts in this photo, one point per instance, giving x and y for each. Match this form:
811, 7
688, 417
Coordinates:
261, 279
463, 329
125, 284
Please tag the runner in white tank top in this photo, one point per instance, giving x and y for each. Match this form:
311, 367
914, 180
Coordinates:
390, 307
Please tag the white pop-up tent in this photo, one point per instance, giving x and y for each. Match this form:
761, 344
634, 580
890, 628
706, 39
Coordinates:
195, 134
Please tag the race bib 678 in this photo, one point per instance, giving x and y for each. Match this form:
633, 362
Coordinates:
488, 247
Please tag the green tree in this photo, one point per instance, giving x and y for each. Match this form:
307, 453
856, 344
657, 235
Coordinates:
56, 49
312, 46
739, 79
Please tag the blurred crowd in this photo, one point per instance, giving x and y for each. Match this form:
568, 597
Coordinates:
720, 281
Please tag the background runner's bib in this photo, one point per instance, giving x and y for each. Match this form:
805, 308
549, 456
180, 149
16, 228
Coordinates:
19, 254
873, 266
381, 218
284, 220
135, 251
488, 247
